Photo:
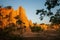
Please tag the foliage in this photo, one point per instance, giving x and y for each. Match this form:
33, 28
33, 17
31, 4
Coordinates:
19, 22
5, 33
8, 7
52, 3
17, 17
35, 29
0, 6
42, 13
6, 36
54, 17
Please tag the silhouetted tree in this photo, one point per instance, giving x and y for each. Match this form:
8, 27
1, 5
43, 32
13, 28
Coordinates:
0, 6
51, 4
54, 18
8, 7
42, 13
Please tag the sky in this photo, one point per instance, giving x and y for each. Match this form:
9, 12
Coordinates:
30, 6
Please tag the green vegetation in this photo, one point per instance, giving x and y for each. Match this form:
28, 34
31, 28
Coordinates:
36, 29
5, 34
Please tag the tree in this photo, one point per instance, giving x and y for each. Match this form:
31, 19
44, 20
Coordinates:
42, 13
54, 18
0, 6
51, 4
8, 7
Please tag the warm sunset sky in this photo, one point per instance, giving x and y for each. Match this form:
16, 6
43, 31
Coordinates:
30, 6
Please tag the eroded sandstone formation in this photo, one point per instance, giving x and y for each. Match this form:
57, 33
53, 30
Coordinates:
5, 16
8, 16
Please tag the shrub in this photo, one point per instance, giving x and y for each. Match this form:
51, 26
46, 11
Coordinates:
35, 29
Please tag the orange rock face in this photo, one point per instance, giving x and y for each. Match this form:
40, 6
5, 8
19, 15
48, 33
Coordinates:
4, 13
11, 14
30, 23
23, 17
